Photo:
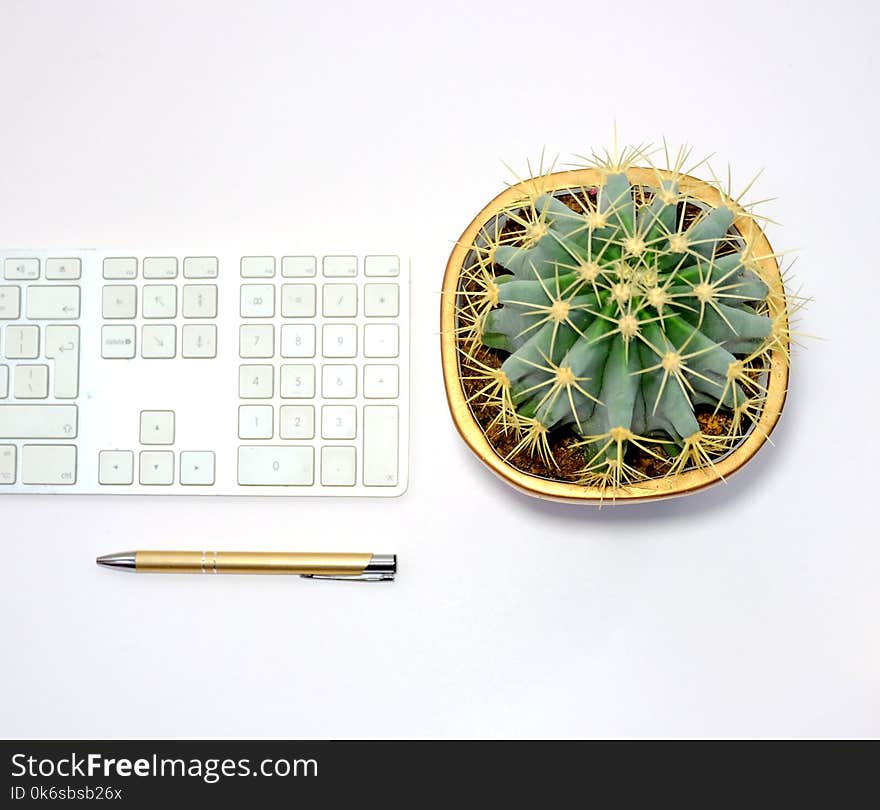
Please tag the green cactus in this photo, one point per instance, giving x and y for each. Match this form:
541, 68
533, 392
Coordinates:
621, 310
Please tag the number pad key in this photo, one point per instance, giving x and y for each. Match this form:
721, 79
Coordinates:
339, 382
338, 466
255, 421
298, 300
256, 382
381, 300
257, 301
256, 340
296, 422
381, 382
297, 382
339, 340
297, 340
338, 421
340, 300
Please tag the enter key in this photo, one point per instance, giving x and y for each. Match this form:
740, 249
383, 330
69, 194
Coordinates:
62, 346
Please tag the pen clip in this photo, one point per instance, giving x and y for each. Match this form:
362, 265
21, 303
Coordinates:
365, 577
380, 568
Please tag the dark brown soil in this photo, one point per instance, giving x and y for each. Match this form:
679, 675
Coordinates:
569, 458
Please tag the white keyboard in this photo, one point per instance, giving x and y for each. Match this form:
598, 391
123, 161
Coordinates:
203, 373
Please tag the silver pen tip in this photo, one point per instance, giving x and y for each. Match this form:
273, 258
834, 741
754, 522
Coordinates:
124, 560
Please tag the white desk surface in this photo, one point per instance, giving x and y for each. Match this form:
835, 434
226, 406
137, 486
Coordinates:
748, 610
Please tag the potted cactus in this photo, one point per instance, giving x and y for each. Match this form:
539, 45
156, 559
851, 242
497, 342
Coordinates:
618, 331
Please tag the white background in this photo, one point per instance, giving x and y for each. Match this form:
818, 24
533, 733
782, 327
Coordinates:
748, 610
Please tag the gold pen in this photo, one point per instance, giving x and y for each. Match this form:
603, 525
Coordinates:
313, 565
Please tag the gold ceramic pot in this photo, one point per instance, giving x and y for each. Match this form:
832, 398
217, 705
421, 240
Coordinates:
650, 489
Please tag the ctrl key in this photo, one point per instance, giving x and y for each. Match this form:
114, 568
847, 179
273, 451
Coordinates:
52, 464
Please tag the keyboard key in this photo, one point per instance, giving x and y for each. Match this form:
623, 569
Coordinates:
256, 382
381, 340
22, 342
340, 300
197, 468
339, 340
257, 301
157, 427
116, 467
10, 303
338, 466
200, 301
381, 439
256, 340
48, 464
258, 266
120, 268
54, 303
255, 421
4, 382
298, 300
118, 342
297, 382
160, 267
38, 421
156, 468
21, 269
297, 340
7, 464
200, 267
268, 465
119, 301
296, 422
160, 301
381, 382
63, 269
338, 421
31, 382
62, 346
382, 266
339, 382
340, 266
199, 341
298, 266
381, 300
158, 341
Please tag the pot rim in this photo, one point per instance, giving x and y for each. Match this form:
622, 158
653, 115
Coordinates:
652, 488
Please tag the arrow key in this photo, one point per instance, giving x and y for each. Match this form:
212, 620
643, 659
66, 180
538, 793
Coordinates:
115, 467
157, 467
197, 468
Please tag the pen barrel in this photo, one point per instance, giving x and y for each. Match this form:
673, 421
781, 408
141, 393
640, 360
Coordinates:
252, 562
